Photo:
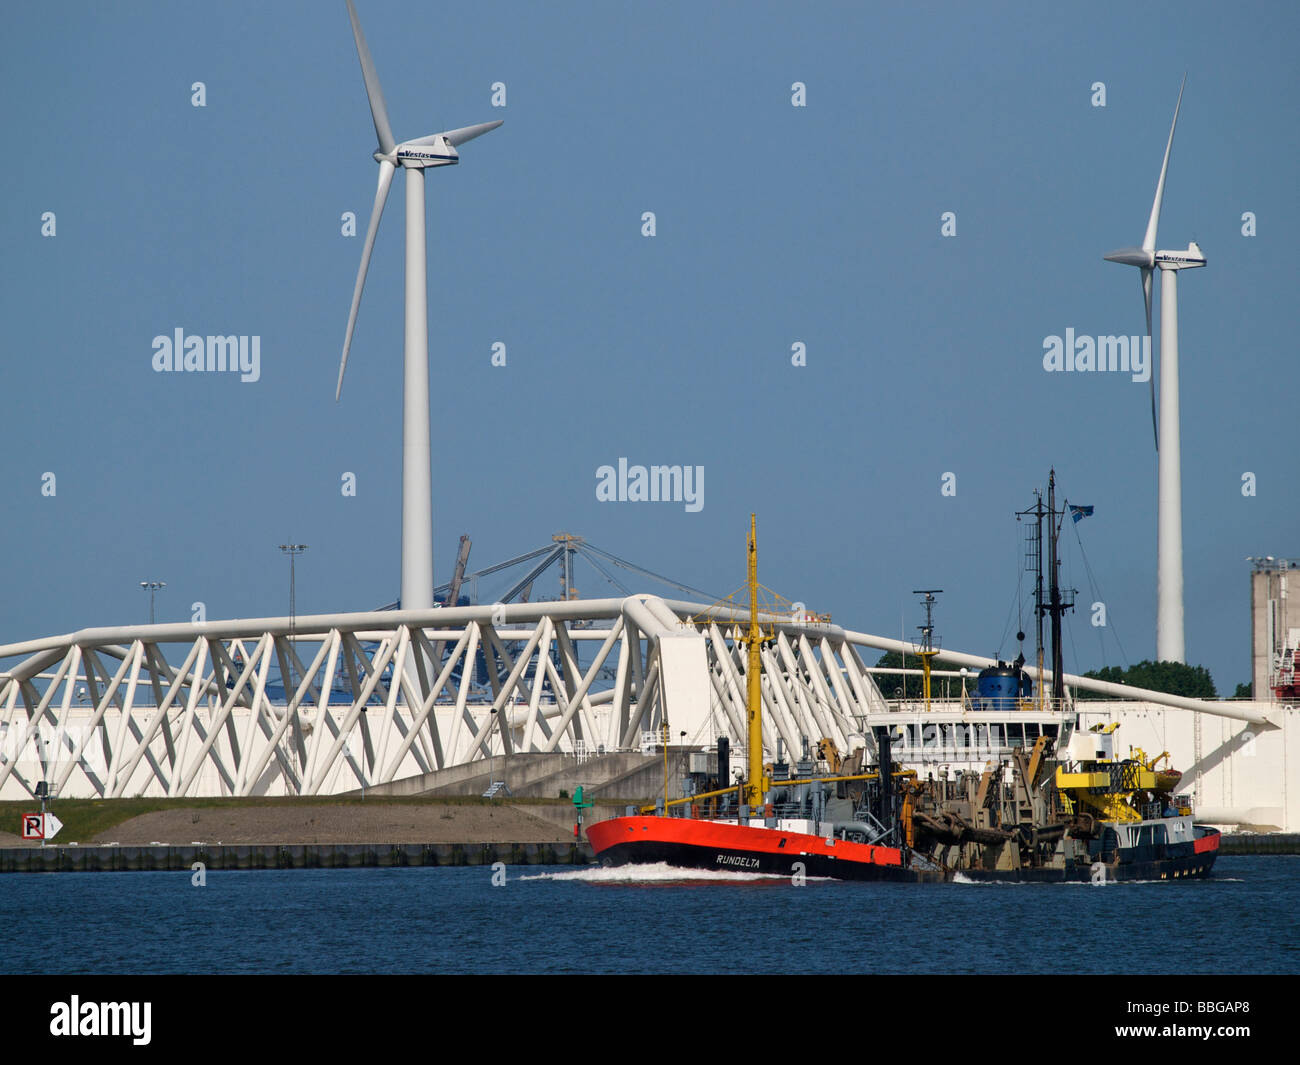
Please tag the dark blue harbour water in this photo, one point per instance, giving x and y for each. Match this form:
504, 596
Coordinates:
565, 920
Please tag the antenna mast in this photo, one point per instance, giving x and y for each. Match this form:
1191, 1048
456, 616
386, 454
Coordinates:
754, 784
1057, 601
928, 650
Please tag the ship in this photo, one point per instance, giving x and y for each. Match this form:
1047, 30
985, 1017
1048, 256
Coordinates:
779, 820
1049, 803
1079, 815
808, 826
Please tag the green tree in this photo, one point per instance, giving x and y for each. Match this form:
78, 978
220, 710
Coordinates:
912, 685
1244, 691
1173, 678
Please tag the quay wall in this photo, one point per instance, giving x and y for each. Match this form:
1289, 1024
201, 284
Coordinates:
55, 859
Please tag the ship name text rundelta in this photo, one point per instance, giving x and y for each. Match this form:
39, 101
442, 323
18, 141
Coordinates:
738, 860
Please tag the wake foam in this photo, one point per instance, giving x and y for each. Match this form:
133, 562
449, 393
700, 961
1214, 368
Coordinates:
658, 873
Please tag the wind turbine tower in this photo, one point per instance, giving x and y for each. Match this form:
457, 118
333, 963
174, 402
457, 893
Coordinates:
414, 156
1170, 645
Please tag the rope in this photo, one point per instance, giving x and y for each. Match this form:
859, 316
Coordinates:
1095, 588
1017, 607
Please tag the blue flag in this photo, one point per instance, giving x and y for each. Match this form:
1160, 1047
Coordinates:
1079, 513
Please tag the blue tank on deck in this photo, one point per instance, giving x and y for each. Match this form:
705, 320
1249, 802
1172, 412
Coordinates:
1001, 687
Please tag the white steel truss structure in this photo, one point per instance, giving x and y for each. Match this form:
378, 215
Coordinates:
335, 703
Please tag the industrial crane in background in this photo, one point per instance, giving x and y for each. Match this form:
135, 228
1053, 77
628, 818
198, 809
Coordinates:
458, 575
563, 552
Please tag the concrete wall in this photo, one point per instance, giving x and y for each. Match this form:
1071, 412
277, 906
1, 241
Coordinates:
1240, 775
295, 856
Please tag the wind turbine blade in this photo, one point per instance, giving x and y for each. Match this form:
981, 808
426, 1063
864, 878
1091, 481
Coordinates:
377, 109
1149, 241
1154, 428
1146, 294
457, 137
386, 171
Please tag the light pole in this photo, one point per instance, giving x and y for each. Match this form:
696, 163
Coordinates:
293, 551
154, 587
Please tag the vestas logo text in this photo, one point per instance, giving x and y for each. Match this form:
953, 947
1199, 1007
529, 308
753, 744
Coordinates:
102, 1018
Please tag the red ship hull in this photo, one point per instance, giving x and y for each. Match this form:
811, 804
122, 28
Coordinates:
690, 843
718, 845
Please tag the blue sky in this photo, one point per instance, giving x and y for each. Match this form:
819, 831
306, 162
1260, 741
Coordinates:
775, 225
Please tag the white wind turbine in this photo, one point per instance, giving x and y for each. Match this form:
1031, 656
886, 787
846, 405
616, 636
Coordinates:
414, 156
1170, 645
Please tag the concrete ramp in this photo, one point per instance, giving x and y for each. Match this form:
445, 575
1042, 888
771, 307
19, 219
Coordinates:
621, 775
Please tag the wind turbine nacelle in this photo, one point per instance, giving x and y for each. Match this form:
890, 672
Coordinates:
1132, 257
1181, 260
439, 152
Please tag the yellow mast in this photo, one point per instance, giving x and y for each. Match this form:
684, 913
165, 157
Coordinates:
928, 650
926, 656
755, 784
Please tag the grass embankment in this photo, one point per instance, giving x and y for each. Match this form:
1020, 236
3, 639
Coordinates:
83, 819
